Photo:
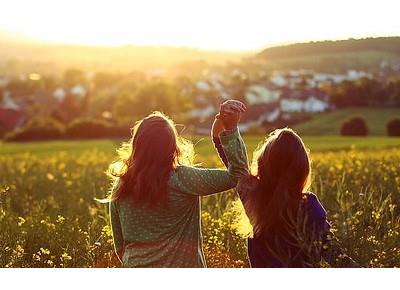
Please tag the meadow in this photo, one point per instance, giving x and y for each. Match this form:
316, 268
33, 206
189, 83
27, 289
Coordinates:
49, 218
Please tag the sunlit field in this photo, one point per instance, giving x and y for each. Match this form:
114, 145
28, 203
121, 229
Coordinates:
48, 216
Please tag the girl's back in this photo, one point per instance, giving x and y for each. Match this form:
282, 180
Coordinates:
170, 235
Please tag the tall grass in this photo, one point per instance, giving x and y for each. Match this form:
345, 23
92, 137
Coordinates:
48, 216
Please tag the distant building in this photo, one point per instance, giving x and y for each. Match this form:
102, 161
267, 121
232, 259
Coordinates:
11, 115
9, 103
79, 91
315, 105
259, 94
310, 105
278, 79
203, 113
259, 115
59, 94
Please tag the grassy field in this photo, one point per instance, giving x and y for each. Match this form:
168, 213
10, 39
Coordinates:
330, 123
202, 144
48, 216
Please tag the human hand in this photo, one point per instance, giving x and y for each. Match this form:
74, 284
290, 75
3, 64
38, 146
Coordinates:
217, 126
230, 113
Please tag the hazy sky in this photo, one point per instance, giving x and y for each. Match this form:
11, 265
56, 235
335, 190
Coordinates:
208, 24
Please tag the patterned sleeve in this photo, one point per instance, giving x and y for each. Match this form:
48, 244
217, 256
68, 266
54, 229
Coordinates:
206, 181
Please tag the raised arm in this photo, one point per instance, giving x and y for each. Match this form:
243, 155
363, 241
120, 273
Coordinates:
206, 181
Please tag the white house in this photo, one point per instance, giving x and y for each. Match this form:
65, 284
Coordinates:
254, 123
353, 75
203, 113
258, 94
9, 103
291, 105
59, 94
79, 91
311, 105
315, 105
278, 79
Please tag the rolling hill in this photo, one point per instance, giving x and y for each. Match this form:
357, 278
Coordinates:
25, 56
333, 56
330, 123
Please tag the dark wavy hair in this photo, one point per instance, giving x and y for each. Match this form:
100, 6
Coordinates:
283, 169
145, 164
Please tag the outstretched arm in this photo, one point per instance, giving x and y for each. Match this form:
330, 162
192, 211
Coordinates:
206, 181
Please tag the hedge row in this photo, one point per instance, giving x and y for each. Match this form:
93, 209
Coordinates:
358, 127
50, 129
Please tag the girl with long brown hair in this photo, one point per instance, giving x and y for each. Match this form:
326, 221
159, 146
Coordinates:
289, 224
155, 199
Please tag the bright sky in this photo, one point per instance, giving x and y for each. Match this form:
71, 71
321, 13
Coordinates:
206, 24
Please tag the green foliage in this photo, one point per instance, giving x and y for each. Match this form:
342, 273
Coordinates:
393, 128
87, 129
37, 129
355, 126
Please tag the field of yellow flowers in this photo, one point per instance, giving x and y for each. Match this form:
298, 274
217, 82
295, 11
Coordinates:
49, 218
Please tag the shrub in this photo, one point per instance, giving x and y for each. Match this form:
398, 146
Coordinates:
393, 127
37, 130
354, 127
87, 129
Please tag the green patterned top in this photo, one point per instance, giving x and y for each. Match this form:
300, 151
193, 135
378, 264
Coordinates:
171, 236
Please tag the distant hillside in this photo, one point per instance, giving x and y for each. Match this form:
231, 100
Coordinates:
383, 44
49, 58
333, 55
330, 123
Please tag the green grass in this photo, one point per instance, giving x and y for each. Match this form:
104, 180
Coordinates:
330, 123
203, 145
49, 218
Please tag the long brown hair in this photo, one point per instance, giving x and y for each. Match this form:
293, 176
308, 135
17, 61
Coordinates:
283, 169
145, 163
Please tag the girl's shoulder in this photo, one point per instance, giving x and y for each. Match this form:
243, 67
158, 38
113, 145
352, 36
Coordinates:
246, 185
314, 207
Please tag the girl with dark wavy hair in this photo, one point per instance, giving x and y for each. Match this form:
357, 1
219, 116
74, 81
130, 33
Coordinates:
155, 199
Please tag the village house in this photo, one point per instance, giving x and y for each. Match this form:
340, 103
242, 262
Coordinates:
259, 115
59, 94
78, 91
11, 115
259, 94
309, 105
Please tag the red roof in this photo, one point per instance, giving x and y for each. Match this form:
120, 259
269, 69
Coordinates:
10, 119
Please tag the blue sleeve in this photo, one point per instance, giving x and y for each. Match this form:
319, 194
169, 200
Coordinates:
317, 213
331, 250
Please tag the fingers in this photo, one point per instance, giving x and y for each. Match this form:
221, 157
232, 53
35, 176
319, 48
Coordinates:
231, 106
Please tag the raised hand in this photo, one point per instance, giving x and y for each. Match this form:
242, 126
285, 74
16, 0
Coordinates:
228, 116
232, 106
230, 113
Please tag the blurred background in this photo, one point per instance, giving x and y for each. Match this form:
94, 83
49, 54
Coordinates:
87, 69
